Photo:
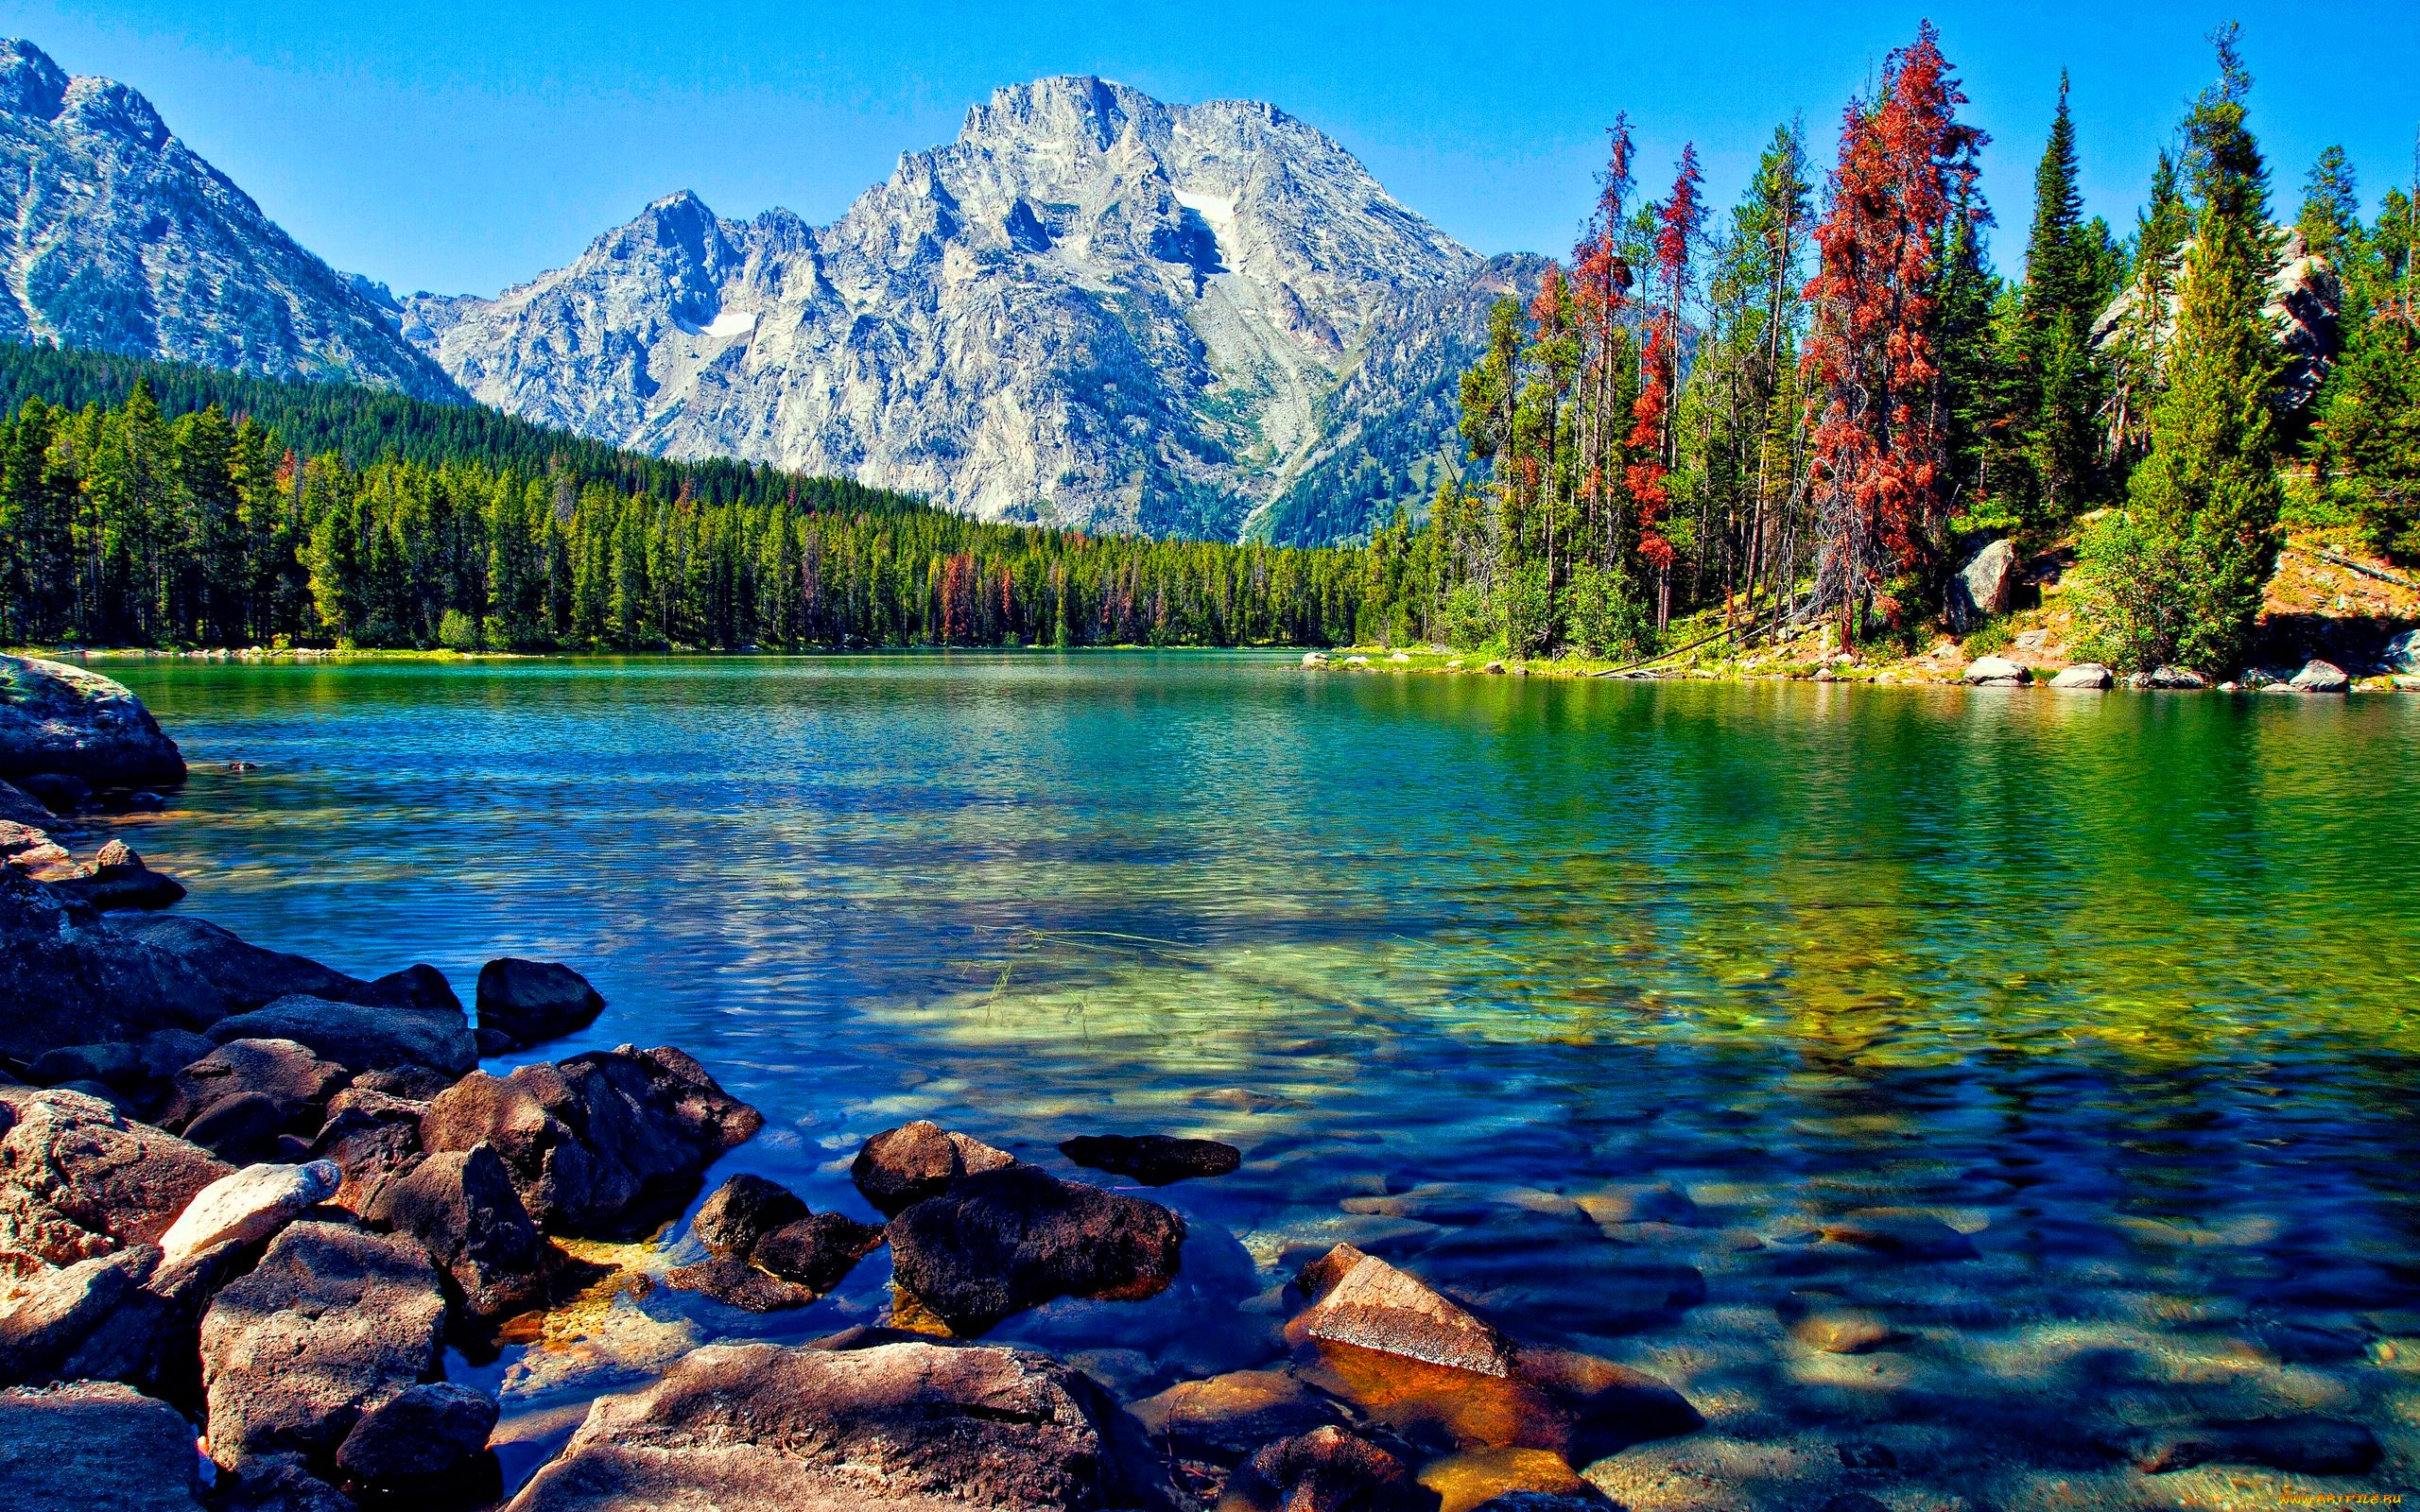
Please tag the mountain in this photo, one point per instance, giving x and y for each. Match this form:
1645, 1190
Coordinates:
1091, 308
116, 237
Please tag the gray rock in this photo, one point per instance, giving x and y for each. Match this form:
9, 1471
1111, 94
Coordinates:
420, 1438
916, 1427
2321, 676
127, 1316
55, 718
903, 1165
332, 1323
1995, 672
95, 1447
241, 1129
72, 977
279, 1482
414, 987
1990, 577
241, 974
2401, 654
2091, 675
118, 879
30, 850
59, 793
1154, 1160
148, 250
361, 1036
1001, 1241
2170, 680
58, 1311
535, 1000
599, 1143
78, 1178
459, 1205
249, 1206
119, 1065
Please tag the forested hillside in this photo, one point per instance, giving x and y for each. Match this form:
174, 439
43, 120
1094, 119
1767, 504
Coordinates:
145, 504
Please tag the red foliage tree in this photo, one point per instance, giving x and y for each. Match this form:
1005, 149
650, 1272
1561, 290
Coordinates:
1600, 283
1878, 464
959, 585
1652, 439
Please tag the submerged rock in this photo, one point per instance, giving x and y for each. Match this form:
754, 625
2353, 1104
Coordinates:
903, 1165
2302, 1446
95, 1447
1223, 1420
1898, 1231
1326, 1469
55, 718
1154, 1160
78, 1178
332, 1323
534, 1001
1000, 1241
599, 1143
758, 1428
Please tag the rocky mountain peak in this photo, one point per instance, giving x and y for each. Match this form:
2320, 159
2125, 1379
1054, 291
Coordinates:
30, 83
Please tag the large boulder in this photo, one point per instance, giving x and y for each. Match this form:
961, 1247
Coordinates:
1995, 672
78, 1178
2320, 677
1362, 1300
461, 1208
95, 1447
17, 806
818, 1251
59, 718
243, 976
998, 1241
2304, 297
1986, 586
905, 1165
249, 1206
362, 1037
535, 1000
743, 1210
1154, 1160
72, 977
599, 1143
2087, 675
769, 1251
332, 1323
906, 1427
129, 1316
295, 1081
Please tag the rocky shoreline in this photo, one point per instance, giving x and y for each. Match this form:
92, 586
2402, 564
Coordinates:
254, 1204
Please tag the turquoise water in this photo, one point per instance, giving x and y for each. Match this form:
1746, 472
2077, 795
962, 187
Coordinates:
2124, 987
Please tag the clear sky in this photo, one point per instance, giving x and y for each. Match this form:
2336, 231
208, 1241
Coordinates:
462, 147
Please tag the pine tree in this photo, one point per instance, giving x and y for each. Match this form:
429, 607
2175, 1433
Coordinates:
2330, 219
2198, 537
2058, 384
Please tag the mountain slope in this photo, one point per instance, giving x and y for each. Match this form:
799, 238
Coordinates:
1092, 308
115, 236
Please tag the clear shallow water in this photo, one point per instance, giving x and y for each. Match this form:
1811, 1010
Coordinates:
2126, 986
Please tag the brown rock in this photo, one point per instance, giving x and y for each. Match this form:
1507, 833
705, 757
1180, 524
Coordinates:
731, 1281
1154, 1160
1842, 1330
332, 1323
1899, 1231
819, 1250
462, 1206
535, 1000
1326, 1469
1001, 1241
1535, 1480
362, 1036
418, 1439
1225, 1419
743, 1210
906, 1426
905, 1165
1360, 1299
600, 1143
78, 1178
297, 1083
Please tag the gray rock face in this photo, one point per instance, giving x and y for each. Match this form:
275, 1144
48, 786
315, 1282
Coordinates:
1001, 1241
1091, 308
2304, 299
330, 1325
59, 718
598, 1144
905, 1427
358, 1036
115, 236
532, 1001
90, 1447
78, 1179
1988, 579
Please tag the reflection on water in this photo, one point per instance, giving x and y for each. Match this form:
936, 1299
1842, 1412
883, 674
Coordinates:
2120, 987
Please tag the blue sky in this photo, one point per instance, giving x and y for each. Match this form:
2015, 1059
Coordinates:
458, 147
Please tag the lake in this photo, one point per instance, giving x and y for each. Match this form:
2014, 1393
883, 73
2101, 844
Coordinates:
2123, 987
